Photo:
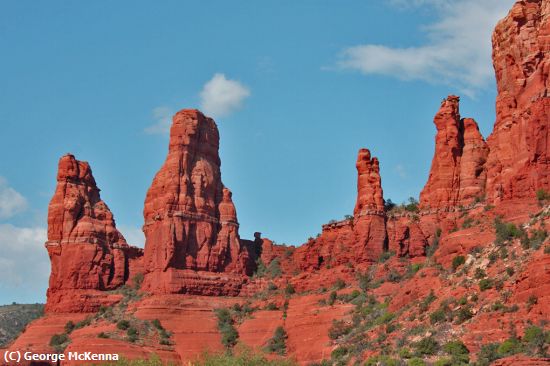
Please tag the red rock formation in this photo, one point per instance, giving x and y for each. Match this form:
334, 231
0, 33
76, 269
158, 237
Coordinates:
457, 175
518, 162
86, 250
369, 216
361, 239
190, 220
406, 238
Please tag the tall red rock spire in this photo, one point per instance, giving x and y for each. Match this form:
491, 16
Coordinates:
457, 175
86, 250
518, 164
369, 216
190, 220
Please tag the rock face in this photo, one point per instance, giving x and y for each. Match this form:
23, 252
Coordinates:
457, 176
518, 162
86, 250
190, 220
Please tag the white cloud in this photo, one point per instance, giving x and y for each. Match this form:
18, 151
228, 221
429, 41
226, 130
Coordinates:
23, 259
457, 51
221, 96
163, 120
11, 201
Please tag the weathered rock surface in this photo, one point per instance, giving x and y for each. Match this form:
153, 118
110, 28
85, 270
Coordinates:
457, 176
190, 220
86, 250
518, 162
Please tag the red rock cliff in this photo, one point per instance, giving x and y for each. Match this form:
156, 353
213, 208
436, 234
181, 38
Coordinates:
86, 250
190, 220
518, 162
457, 175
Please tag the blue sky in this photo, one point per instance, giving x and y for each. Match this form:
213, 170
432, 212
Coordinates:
296, 87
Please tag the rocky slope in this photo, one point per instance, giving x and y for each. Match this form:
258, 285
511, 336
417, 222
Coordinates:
14, 318
463, 276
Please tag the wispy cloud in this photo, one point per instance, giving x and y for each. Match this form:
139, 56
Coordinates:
163, 119
11, 201
457, 50
221, 96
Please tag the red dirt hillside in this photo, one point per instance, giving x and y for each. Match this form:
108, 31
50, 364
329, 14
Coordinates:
461, 277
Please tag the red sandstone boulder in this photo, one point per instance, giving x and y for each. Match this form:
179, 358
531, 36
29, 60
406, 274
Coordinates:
86, 250
190, 220
518, 163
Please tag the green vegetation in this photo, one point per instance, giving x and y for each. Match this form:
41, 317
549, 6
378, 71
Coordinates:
458, 352
60, 341
485, 284
277, 344
458, 261
227, 329
535, 240
385, 256
339, 284
542, 196
289, 289
506, 231
274, 268
426, 346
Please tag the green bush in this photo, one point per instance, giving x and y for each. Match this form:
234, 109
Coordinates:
102, 335
506, 231
485, 284
385, 256
416, 362
261, 269
339, 328
458, 352
412, 206
339, 284
277, 344
289, 290
59, 339
463, 313
487, 354
69, 327
225, 326
156, 323
438, 316
426, 346
332, 298
458, 261
274, 268
542, 195
510, 347
123, 324
536, 340
271, 306
468, 223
